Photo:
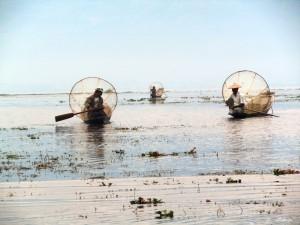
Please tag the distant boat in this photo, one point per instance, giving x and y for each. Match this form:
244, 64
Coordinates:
157, 92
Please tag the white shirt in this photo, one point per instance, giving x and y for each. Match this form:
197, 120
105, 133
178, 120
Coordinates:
237, 99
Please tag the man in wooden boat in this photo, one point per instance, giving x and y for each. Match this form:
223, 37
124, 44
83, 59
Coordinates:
235, 101
94, 105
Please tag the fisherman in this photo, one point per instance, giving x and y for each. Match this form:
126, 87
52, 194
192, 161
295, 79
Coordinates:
235, 101
94, 104
153, 92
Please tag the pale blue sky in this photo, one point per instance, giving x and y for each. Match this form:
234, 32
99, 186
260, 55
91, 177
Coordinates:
46, 46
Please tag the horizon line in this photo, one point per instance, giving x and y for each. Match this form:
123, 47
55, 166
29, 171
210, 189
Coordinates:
138, 91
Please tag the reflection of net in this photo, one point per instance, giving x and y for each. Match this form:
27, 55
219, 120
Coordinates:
254, 90
85, 88
159, 88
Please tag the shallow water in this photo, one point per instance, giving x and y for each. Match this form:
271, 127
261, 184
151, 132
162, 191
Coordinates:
29, 138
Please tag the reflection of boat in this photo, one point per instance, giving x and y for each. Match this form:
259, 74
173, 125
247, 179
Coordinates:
99, 120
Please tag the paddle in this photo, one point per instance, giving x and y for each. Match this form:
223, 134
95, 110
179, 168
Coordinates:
68, 115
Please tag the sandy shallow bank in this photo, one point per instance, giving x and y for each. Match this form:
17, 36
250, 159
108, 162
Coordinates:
257, 199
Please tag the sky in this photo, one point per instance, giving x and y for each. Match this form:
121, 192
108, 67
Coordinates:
46, 46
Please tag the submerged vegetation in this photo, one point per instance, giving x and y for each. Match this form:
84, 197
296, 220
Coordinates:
141, 201
278, 172
156, 154
232, 181
164, 214
27, 167
47, 152
13, 157
19, 128
33, 136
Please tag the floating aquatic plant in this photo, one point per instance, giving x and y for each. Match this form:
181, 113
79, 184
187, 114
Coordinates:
164, 214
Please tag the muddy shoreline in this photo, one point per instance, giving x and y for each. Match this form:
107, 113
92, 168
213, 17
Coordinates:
260, 199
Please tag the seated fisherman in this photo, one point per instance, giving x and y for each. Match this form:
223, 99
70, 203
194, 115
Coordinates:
235, 101
94, 104
153, 92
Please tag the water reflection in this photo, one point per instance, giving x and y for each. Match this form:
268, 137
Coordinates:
94, 138
234, 135
82, 138
157, 100
248, 142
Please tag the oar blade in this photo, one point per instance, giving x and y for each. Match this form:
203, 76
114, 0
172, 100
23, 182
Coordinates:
64, 117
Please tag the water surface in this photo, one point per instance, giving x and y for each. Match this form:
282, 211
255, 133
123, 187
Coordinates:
29, 138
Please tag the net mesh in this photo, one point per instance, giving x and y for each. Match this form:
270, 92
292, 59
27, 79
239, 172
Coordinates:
85, 88
254, 90
159, 88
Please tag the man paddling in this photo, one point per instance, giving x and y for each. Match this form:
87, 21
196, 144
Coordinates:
94, 105
235, 101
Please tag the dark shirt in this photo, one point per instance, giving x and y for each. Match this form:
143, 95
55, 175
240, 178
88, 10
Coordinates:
153, 93
93, 102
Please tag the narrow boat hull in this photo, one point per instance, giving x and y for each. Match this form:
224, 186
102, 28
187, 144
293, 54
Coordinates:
157, 99
242, 115
98, 117
99, 120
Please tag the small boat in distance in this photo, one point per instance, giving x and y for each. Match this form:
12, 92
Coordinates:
157, 92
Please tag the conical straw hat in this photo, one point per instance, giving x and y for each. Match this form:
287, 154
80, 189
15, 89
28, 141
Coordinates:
234, 85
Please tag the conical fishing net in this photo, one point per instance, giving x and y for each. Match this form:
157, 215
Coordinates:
159, 88
85, 88
254, 90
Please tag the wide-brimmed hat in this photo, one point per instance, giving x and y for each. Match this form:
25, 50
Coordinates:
234, 85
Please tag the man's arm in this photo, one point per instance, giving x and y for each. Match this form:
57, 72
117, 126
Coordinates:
230, 102
88, 104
